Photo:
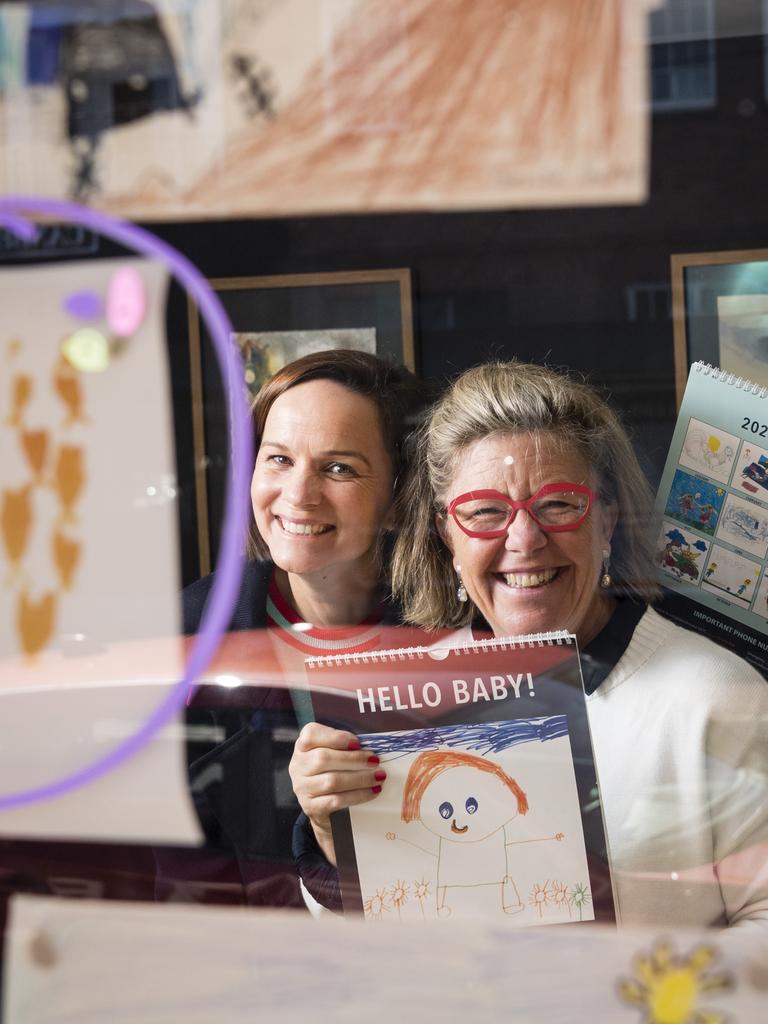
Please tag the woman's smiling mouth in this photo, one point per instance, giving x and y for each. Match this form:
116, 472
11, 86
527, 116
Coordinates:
528, 580
303, 529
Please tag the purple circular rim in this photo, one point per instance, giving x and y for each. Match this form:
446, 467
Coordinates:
229, 565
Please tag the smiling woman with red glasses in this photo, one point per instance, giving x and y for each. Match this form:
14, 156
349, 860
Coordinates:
526, 511
529, 536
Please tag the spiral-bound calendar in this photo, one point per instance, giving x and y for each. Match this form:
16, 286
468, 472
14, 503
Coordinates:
490, 804
711, 527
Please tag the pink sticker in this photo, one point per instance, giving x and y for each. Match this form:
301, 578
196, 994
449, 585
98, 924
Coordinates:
126, 302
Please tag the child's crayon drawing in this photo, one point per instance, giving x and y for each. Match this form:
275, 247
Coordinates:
731, 576
745, 525
751, 473
680, 553
474, 820
695, 502
709, 450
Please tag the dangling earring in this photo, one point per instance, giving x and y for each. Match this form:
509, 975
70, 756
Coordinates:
605, 576
461, 590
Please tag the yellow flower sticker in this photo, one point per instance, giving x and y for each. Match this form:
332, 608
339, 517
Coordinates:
668, 988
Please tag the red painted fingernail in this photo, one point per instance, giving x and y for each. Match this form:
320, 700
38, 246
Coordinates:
375, 789
379, 776
373, 759
353, 745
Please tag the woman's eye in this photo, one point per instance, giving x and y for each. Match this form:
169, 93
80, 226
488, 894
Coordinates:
446, 810
560, 509
278, 460
488, 513
471, 805
340, 469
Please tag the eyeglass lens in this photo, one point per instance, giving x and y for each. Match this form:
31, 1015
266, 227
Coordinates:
558, 508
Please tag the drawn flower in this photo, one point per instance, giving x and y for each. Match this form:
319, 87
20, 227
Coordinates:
580, 897
539, 896
560, 896
399, 895
421, 892
376, 906
667, 987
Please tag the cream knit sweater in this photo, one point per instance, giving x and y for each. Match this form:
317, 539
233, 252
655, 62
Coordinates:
680, 733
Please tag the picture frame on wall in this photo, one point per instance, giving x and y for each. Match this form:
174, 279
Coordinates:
275, 320
720, 313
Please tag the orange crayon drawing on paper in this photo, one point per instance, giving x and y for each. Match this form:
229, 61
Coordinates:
35, 621
377, 905
557, 896
421, 892
21, 393
16, 523
22, 526
34, 444
67, 386
399, 895
540, 896
69, 480
467, 802
66, 557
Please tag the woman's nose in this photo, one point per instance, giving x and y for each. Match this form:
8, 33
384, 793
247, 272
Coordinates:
302, 489
524, 533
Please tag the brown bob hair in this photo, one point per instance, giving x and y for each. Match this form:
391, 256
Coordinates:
428, 766
399, 396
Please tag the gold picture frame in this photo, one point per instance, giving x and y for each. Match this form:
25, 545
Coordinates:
718, 302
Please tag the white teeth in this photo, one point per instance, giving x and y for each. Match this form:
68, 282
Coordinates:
303, 529
529, 579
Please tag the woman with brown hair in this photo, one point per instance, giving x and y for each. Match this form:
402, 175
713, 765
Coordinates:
329, 431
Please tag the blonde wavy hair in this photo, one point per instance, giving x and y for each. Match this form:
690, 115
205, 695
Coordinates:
504, 398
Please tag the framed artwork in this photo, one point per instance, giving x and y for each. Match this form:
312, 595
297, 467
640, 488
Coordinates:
720, 313
278, 319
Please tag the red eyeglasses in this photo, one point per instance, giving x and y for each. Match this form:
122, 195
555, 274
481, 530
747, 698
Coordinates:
554, 507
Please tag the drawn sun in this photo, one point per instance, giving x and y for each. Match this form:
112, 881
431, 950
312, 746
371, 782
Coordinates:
668, 987
539, 896
559, 895
421, 889
376, 906
399, 894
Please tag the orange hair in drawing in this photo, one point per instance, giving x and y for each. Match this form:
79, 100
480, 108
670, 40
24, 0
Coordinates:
427, 766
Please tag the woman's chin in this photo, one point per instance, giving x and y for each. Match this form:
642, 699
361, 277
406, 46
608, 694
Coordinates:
520, 610
297, 563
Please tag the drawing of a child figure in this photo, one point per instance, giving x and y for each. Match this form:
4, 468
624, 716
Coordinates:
466, 801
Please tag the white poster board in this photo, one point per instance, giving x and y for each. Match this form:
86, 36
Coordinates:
82, 960
89, 552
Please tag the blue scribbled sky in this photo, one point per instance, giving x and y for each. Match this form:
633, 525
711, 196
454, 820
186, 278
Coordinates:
481, 738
